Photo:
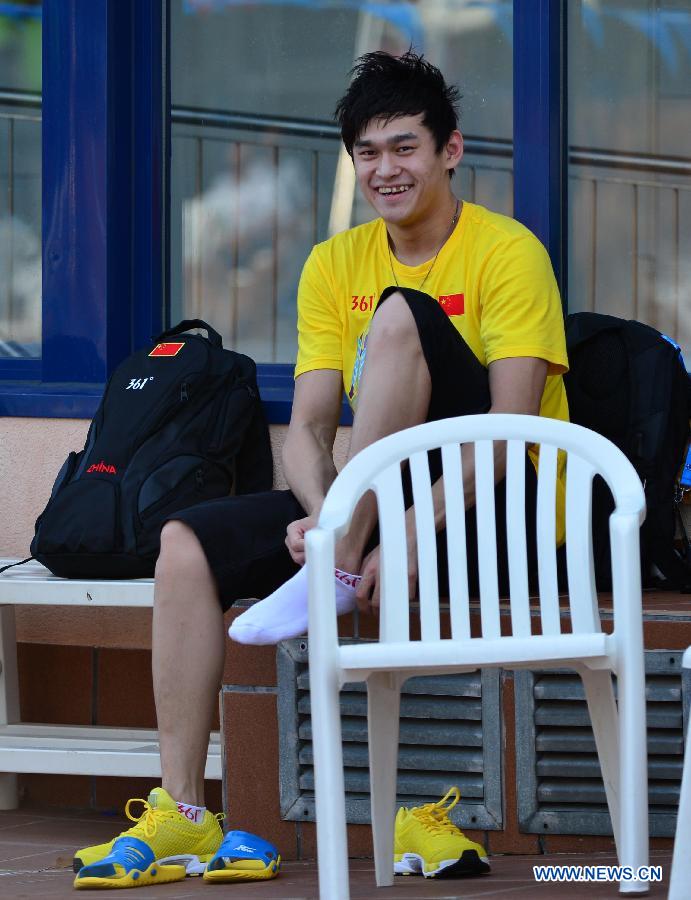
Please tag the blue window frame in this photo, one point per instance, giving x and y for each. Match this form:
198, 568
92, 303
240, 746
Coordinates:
106, 120
104, 200
539, 125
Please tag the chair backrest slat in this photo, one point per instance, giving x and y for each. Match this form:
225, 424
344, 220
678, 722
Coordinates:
516, 538
394, 623
428, 582
579, 544
487, 538
454, 508
378, 468
546, 537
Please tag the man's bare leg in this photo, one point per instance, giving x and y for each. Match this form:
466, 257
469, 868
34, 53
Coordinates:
394, 394
188, 642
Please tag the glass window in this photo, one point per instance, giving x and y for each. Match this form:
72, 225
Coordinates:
20, 179
630, 161
258, 173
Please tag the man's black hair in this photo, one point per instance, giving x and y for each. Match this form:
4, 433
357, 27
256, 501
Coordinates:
388, 87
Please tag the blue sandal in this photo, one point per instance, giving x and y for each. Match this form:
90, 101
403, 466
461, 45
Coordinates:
243, 857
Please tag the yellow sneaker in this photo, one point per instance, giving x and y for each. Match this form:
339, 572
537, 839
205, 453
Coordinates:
162, 846
428, 843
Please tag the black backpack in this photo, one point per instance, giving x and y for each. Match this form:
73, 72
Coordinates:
180, 422
628, 382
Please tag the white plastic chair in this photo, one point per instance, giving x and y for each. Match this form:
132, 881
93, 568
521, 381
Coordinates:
680, 879
619, 728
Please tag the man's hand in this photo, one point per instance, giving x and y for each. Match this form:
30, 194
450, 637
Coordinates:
295, 538
368, 591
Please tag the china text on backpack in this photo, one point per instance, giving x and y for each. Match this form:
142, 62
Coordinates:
180, 422
628, 382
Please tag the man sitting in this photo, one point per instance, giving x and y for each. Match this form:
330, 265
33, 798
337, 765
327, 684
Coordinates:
436, 308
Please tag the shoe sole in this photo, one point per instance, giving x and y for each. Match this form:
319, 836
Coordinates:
469, 863
155, 874
220, 875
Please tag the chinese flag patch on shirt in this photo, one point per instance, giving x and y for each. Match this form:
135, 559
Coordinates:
452, 304
167, 349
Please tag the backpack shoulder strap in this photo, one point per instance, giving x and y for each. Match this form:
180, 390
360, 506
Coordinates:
581, 326
19, 563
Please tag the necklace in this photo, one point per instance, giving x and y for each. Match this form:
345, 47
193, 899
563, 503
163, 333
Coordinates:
427, 273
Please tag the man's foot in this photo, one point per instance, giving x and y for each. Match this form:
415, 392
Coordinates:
243, 857
428, 843
283, 614
162, 846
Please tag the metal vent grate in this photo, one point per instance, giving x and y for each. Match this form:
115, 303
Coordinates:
560, 788
450, 734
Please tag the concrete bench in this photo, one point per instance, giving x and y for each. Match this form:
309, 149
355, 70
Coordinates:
66, 749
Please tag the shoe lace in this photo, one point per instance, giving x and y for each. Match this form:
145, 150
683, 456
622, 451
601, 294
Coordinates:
434, 817
147, 823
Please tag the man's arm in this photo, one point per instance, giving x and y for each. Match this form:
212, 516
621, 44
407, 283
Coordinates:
516, 385
307, 453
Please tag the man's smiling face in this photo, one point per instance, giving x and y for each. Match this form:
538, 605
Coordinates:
400, 171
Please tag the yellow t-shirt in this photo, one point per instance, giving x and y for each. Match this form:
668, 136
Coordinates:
492, 276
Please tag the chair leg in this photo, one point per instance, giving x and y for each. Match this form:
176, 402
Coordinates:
620, 736
680, 878
383, 706
9, 697
681, 861
332, 837
602, 707
633, 764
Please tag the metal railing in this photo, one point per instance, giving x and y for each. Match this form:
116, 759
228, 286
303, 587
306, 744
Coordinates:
634, 265
20, 239
644, 255
486, 177
276, 139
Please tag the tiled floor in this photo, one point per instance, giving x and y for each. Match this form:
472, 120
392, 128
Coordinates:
36, 853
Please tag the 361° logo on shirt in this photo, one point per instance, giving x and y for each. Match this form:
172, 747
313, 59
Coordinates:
362, 302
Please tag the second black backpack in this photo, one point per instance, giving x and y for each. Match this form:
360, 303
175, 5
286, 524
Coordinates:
628, 382
180, 422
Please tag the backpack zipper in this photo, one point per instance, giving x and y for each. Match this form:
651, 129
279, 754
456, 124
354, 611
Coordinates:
164, 410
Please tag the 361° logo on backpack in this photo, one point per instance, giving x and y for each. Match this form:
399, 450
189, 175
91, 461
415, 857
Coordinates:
136, 384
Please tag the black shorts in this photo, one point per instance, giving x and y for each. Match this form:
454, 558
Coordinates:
243, 537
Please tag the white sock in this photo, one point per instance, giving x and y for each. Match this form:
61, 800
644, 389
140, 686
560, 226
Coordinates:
194, 814
283, 614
